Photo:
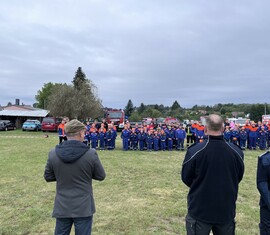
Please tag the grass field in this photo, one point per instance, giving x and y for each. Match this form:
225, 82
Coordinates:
142, 193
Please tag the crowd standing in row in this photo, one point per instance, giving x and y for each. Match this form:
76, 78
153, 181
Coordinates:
155, 137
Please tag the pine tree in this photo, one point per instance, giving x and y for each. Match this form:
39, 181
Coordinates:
175, 105
80, 78
129, 108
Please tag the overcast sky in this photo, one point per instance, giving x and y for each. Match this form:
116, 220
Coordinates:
154, 51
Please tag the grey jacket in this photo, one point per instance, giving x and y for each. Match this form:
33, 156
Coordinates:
73, 165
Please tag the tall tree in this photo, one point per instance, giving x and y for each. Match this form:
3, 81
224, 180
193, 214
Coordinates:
175, 105
80, 78
79, 100
66, 100
43, 95
129, 108
141, 108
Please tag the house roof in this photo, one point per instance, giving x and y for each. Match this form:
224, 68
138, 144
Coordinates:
18, 107
25, 113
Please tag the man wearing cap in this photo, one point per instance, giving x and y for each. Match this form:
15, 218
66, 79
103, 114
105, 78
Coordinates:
73, 165
212, 170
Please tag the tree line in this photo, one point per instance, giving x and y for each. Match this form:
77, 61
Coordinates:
80, 100
251, 111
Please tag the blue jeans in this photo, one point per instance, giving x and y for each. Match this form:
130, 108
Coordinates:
83, 225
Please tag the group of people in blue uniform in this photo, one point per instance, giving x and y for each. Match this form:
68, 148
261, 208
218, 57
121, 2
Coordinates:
252, 135
100, 137
152, 138
169, 137
174, 137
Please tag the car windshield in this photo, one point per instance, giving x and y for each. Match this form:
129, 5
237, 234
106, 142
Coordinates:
50, 120
114, 114
29, 122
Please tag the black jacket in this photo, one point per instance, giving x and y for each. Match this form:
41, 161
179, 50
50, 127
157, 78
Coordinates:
263, 179
213, 170
73, 165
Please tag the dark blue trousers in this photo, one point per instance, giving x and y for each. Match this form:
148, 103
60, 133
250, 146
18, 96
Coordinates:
195, 227
83, 225
264, 221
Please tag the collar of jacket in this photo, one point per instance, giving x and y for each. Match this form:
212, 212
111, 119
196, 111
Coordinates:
214, 137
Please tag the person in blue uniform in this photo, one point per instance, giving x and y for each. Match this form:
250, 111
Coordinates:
101, 137
199, 132
263, 181
109, 137
133, 139
180, 135
141, 139
227, 134
170, 137
156, 141
235, 135
163, 138
94, 139
125, 136
212, 170
114, 131
149, 141
243, 135
262, 135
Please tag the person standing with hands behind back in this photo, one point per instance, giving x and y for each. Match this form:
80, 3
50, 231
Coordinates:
212, 170
73, 166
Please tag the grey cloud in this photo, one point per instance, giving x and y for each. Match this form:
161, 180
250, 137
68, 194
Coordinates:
205, 52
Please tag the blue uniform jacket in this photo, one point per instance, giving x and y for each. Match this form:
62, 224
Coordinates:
180, 134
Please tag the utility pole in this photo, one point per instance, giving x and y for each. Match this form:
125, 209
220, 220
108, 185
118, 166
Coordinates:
265, 108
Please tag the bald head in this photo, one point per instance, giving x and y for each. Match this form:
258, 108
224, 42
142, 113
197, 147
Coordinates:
214, 124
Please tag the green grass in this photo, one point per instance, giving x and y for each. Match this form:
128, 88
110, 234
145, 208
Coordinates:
142, 193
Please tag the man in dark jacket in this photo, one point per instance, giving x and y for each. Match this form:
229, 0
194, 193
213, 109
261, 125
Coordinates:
212, 170
263, 182
73, 165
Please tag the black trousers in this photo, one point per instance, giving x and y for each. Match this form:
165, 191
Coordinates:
190, 139
195, 227
264, 221
62, 138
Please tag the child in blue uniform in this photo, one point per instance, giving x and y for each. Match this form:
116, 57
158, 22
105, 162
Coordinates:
262, 134
134, 139
170, 137
125, 136
101, 137
156, 141
109, 137
163, 138
243, 135
235, 135
227, 134
141, 139
149, 141
94, 139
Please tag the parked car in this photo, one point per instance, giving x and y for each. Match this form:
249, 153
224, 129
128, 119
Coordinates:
50, 124
6, 125
31, 125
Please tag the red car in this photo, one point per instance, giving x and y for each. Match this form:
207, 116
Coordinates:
50, 124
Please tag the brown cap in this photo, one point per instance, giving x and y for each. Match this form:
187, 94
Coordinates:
74, 126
